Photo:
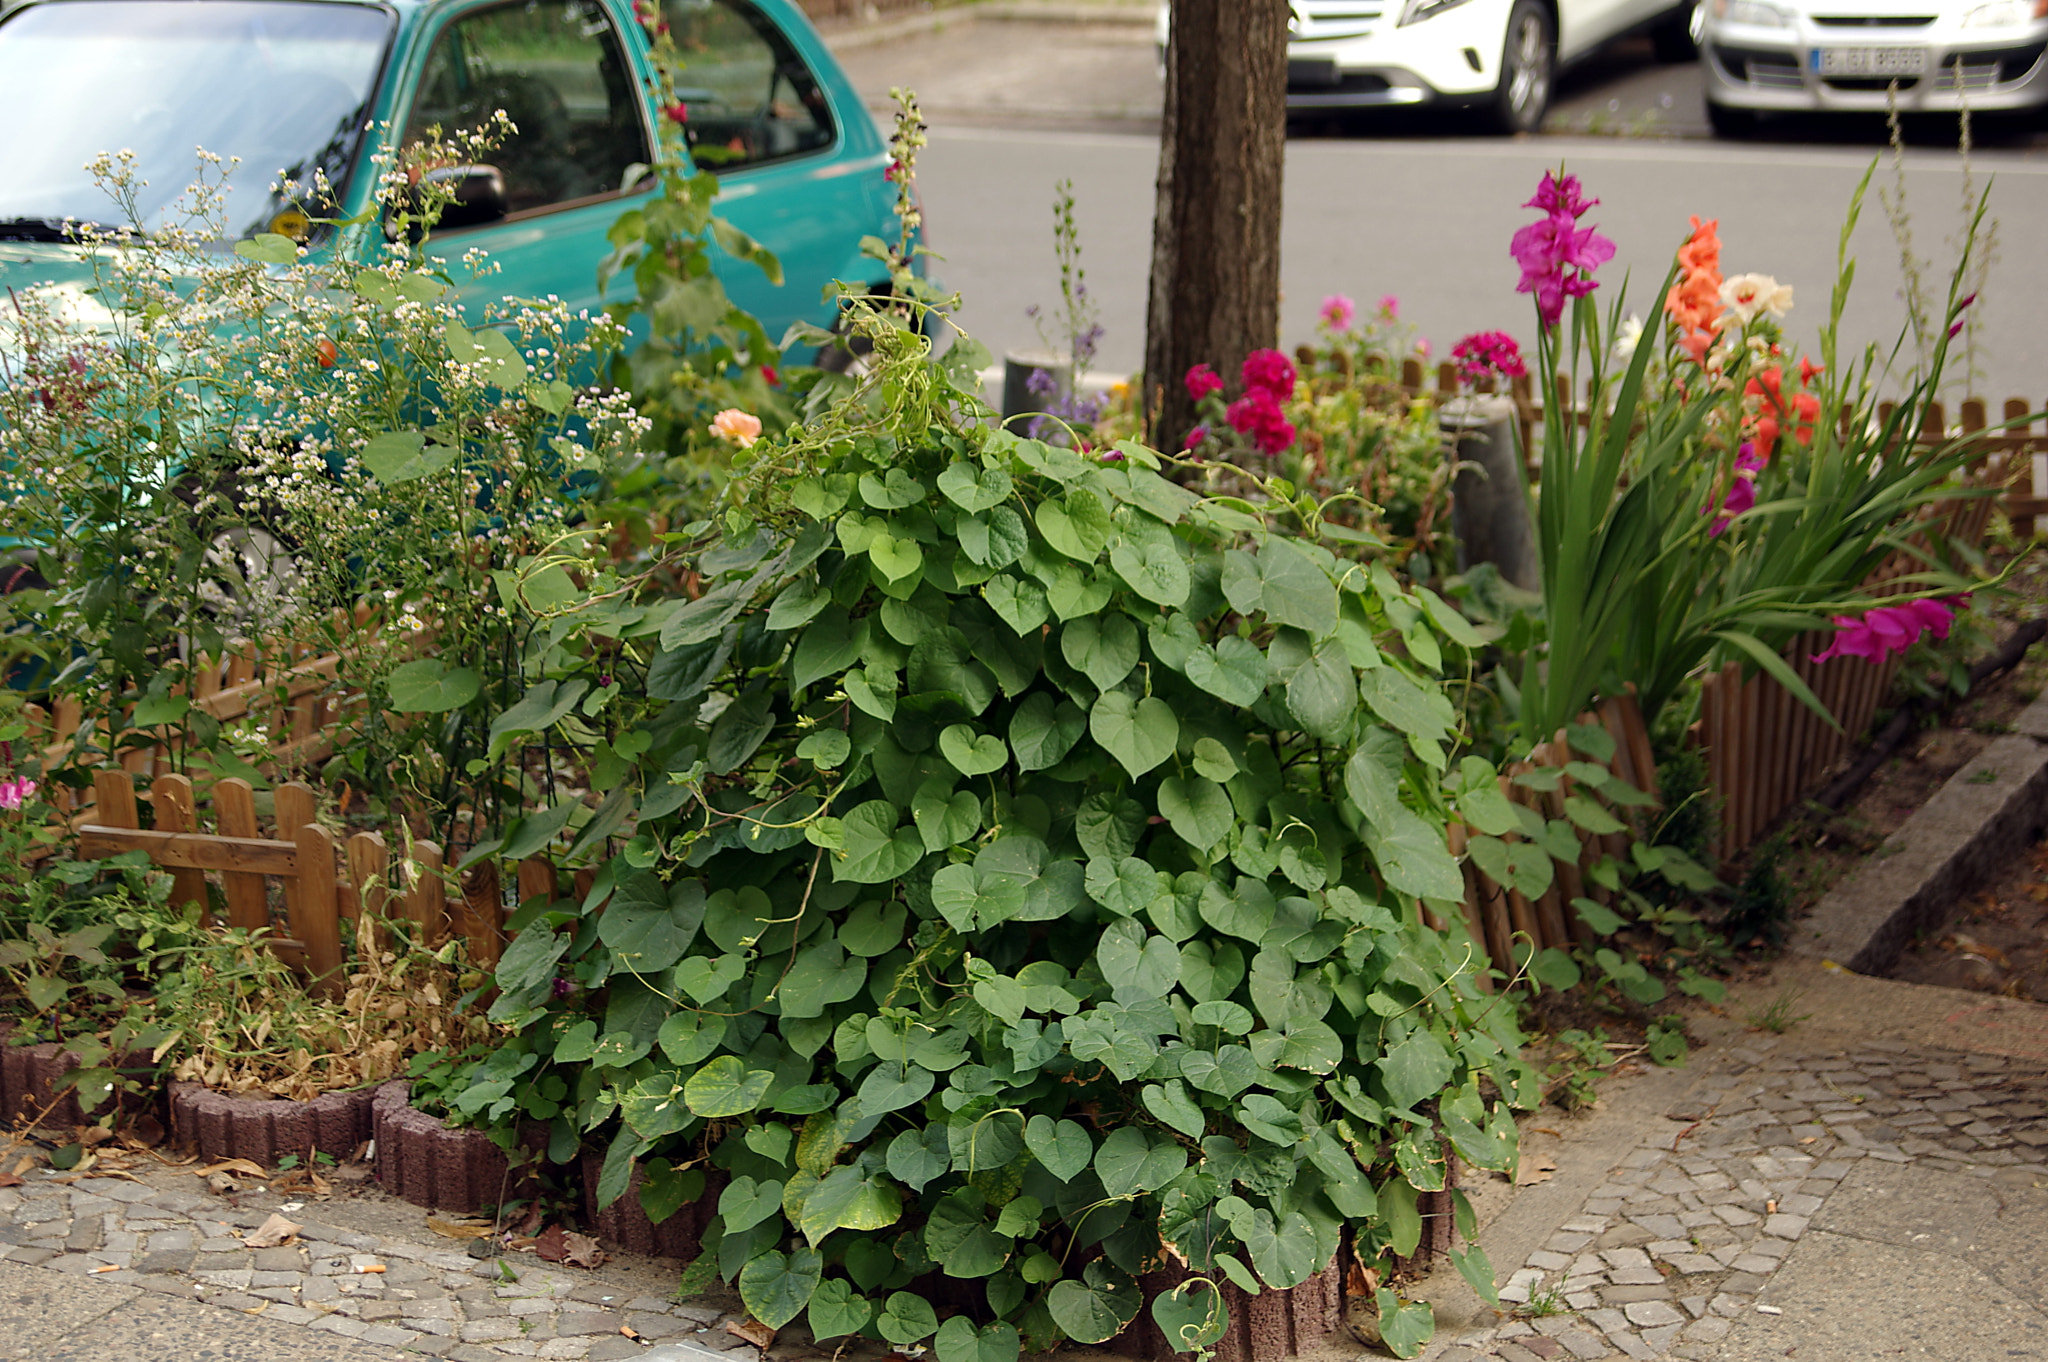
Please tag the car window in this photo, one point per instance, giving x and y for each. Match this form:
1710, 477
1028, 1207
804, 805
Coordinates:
751, 99
555, 67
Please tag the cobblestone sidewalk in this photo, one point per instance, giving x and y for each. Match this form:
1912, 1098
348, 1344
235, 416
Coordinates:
424, 1299
1690, 1225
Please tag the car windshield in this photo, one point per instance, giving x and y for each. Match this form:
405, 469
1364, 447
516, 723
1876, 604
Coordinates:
282, 86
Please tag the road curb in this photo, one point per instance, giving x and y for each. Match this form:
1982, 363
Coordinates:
1995, 806
852, 37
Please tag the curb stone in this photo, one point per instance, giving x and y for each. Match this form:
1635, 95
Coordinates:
1992, 808
222, 1125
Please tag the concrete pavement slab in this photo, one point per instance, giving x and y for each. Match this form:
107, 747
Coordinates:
1846, 1299
1997, 1228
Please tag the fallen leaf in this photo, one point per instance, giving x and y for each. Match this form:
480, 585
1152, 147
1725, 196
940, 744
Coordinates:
552, 1244
254, 1170
448, 1229
1534, 1170
752, 1330
143, 1131
584, 1252
92, 1135
220, 1184
9, 1180
273, 1233
1544, 1130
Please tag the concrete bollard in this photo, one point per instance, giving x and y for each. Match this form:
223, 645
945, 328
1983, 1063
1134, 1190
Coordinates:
1018, 366
1490, 506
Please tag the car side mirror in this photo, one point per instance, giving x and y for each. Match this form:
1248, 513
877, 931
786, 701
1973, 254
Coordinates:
479, 194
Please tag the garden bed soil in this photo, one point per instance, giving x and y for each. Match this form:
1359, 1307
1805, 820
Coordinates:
1997, 940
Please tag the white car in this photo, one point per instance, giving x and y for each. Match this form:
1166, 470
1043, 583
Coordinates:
1844, 56
1498, 56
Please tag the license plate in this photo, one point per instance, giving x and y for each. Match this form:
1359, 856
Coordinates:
1309, 73
1869, 61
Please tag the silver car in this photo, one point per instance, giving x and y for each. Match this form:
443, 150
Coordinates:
1846, 55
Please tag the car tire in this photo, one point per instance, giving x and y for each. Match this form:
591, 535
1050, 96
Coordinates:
1671, 37
1528, 64
1730, 123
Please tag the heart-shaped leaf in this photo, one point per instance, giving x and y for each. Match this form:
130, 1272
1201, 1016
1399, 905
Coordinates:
1138, 733
960, 1341
428, 687
837, 1310
1062, 1146
894, 558
974, 489
973, 754
776, 1287
726, 1087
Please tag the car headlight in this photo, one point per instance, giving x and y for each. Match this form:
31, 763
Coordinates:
1417, 10
1752, 12
2005, 13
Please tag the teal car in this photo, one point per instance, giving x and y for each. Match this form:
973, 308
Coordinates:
301, 88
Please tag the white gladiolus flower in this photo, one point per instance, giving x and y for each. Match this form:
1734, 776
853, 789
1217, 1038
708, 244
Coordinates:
1748, 296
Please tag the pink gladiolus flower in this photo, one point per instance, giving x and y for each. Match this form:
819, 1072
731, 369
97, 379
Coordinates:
15, 793
1201, 381
1390, 308
1557, 256
1337, 312
1889, 629
1257, 414
1742, 494
1272, 373
1489, 352
737, 427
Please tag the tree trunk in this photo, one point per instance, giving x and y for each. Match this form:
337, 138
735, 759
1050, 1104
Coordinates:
1216, 234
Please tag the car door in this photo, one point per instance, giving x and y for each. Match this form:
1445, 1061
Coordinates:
578, 157
760, 120
1584, 24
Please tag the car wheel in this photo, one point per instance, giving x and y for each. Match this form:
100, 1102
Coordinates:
1671, 39
1732, 123
1527, 61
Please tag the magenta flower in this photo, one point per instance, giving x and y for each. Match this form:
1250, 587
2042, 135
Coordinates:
1390, 308
1889, 629
1257, 415
1194, 438
1742, 492
15, 793
1338, 311
1489, 352
1201, 381
1269, 372
1558, 256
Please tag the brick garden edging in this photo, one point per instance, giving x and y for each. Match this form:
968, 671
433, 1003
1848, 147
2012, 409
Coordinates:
424, 1160
625, 1224
225, 1126
28, 1083
1268, 1327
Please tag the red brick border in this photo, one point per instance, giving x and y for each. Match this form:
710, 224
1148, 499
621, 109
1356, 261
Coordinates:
624, 1223
28, 1083
424, 1160
225, 1126
1268, 1327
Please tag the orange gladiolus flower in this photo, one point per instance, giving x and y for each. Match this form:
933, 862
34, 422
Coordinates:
1695, 301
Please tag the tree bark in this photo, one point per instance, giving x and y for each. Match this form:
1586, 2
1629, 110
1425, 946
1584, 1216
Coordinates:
1216, 233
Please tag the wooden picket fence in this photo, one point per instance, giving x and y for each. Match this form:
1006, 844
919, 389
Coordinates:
320, 879
291, 684
1498, 916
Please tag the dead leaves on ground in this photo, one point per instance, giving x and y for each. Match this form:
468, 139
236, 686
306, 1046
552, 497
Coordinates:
449, 1229
752, 1330
1533, 1169
557, 1245
273, 1233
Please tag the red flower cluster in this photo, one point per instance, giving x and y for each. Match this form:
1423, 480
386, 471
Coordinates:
1269, 380
1801, 409
1489, 352
1201, 381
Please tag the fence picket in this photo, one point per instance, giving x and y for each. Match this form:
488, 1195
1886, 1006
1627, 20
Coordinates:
234, 813
171, 796
426, 902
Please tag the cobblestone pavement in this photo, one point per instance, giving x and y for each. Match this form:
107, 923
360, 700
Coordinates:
1690, 1225
425, 1299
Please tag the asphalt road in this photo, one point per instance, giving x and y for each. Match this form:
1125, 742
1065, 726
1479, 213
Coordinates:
1422, 210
